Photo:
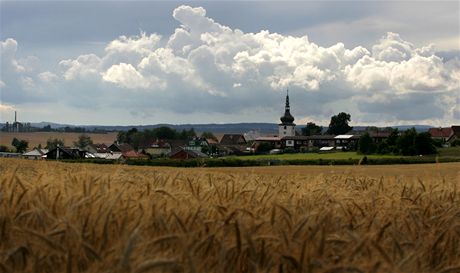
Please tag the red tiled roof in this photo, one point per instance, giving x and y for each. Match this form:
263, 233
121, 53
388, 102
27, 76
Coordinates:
440, 132
133, 154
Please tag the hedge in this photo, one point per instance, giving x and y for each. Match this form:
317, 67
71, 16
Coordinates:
236, 162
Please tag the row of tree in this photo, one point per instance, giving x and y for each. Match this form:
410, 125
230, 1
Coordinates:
408, 143
337, 126
138, 138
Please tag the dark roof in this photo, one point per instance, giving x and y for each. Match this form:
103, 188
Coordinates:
455, 133
177, 143
233, 139
71, 152
296, 138
191, 153
123, 147
322, 137
440, 132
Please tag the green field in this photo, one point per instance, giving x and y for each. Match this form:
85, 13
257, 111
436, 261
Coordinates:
313, 156
442, 152
450, 151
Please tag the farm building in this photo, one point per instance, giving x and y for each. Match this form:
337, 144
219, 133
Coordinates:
97, 148
156, 148
440, 133
65, 153
233, 139
232, 144
35, 154
197, 144
121, 148
455, 134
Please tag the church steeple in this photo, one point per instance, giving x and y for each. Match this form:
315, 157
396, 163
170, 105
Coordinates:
287, 118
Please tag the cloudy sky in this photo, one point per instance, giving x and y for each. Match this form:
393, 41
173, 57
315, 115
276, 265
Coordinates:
148, 62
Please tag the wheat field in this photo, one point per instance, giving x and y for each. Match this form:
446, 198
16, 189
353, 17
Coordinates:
62, 217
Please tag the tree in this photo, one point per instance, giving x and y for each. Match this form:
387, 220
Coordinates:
383, 148
187, 134
264, 147
405, 143
209, 135
126, 137
47, 128
83, 141
424, 144
366, 145
53, 143
372, 129
339, 124
20, 145
165, 132
311, 129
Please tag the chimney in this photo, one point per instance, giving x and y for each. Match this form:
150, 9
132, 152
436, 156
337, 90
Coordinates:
15, 124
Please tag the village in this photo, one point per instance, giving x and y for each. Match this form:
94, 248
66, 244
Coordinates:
288, 140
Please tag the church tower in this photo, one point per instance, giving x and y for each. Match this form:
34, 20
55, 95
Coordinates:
287, 126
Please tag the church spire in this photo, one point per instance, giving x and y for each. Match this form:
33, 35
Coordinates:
287, 108
287, 118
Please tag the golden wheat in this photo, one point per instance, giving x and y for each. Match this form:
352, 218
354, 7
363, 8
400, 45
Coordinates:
61, 217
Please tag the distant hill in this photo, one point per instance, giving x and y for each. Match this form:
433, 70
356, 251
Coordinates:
263, 128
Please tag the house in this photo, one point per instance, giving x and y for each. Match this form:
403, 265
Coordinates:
35, 154
65, 153
455, 134
134, 155
109, 156
233, 139
176, 143
379, 137
346, 142
320, 141
197, 144
296, 142
186, 154
440, 133
156, 148
274, 140
309, 142
232, 144
97, 148
121, 148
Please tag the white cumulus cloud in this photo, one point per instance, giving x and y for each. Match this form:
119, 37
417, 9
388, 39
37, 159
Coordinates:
125, 75
206, 66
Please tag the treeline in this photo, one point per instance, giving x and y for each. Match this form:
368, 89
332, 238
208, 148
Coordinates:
404, 143
70, 129
138, 138
67, 129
